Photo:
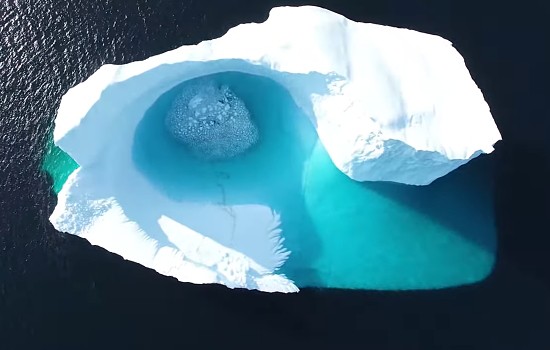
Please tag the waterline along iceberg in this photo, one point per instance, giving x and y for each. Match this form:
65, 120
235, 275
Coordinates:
387, 104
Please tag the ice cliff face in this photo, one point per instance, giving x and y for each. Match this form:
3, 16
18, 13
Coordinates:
388, 104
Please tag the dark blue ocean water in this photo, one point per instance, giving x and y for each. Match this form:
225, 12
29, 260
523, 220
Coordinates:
59, 292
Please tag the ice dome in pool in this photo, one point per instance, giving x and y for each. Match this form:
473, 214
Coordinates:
211, 121
237, 161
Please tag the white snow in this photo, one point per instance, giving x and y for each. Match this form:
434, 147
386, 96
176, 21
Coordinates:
389, 104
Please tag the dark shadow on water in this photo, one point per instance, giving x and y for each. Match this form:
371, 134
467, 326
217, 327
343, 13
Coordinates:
461, 201
268, 174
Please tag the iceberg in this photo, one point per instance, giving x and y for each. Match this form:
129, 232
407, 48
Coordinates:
387, 104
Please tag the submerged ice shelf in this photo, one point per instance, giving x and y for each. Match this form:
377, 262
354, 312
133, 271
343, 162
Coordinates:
273, 205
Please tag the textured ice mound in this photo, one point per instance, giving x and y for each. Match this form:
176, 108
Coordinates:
211, 121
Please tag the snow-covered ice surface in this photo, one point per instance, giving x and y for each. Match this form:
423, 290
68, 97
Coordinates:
388, 104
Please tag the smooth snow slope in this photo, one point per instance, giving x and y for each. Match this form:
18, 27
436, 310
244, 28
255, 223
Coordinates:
388, 104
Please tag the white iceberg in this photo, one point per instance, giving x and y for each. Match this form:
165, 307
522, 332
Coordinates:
389, 104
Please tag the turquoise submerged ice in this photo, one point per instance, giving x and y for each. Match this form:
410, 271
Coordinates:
341, 233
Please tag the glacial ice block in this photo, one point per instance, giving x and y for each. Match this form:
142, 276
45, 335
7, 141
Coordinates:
388, 104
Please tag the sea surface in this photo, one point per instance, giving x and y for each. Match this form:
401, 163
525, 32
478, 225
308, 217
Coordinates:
57, 291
